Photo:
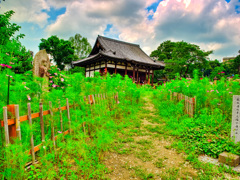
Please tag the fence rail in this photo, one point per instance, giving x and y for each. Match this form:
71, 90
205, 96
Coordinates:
189, 102
12, 126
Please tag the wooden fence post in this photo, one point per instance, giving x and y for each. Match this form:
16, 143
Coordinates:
60, 114
31, 132
5, 119
41, 121
11, 128
68, 114
18, 127
52, 125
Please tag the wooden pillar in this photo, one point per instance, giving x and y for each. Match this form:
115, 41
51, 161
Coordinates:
100, 67
89, 70
148, 76
152, 76
134, 73
137, 77
115, 67
145, 82
126, 69
105, 70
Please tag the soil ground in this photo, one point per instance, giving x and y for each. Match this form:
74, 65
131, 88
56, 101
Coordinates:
144, 152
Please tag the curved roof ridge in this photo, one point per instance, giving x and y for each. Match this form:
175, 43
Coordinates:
118, 41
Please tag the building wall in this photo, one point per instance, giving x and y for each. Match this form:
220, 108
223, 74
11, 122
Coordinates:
110, 64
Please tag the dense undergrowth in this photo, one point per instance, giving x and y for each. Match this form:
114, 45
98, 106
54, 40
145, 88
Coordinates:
79, 155
209, 131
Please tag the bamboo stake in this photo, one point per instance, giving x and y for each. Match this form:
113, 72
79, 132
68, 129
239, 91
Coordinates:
5, 119
68, 115
93, 99
18, 128
52, 125
195, 105
60, 114
41, 121
31, 132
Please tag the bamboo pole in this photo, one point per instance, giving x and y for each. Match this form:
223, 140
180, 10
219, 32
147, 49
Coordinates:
68, 115
60, 114
41, 121
5, 119
18, 128
52, 125
31, 132
93, 99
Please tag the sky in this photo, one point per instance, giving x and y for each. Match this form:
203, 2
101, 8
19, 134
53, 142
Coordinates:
211, 24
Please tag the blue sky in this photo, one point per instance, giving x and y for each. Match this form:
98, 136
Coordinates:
211, 24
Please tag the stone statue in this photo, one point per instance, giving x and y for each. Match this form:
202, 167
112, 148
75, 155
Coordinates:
41, 65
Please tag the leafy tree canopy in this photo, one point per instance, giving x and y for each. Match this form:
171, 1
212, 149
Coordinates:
181, 57
60, 49
12, 52
82, 47
236, 63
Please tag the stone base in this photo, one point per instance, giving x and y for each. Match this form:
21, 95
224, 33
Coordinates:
229, 159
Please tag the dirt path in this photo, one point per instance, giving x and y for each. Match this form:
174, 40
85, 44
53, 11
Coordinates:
143, 152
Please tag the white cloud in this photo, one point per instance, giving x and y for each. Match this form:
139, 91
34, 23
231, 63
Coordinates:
211, 24
27, 11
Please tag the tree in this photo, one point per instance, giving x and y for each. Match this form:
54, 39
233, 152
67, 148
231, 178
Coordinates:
236, 63
181, 57
60, 49
12, 52
82, 47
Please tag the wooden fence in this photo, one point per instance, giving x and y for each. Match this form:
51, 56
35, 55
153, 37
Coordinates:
12, 124
189, 102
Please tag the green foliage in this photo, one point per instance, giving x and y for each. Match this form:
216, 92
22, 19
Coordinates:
181, 57
236, 63
209, 131
12, 52
79, 155
82, 47
61, 50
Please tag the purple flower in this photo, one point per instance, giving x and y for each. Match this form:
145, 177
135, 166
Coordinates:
62, 79
50, 77
55, 74
59, 132
51, 81
29, 98
230, 92
54, 85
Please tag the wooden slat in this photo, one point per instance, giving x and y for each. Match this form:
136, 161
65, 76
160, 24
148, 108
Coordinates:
64, 108
36, 148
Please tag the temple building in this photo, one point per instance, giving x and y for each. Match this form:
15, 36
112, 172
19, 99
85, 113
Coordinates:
114, 56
